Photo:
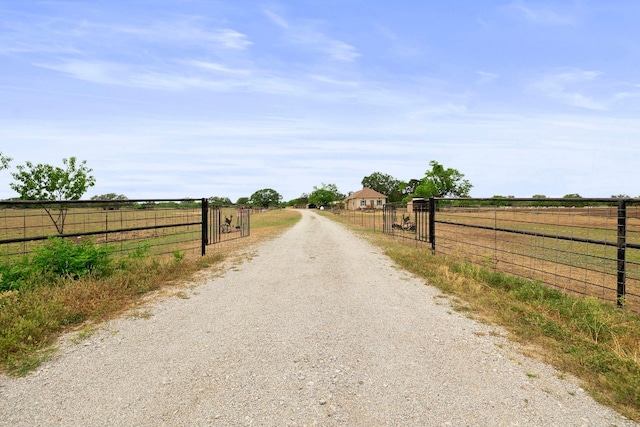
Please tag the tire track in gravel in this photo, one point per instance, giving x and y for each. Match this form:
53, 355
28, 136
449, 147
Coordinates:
316, 328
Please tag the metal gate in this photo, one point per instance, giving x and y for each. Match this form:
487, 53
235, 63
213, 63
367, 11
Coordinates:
411, 222
228, 224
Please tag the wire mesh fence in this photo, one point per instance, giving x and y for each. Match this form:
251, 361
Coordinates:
582, 246
159, 226
367, 218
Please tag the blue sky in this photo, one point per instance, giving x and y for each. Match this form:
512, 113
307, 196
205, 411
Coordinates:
198, 98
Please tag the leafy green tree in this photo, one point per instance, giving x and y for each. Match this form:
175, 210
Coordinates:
441, 182
325, 195
321, 197
572, 196
266, 197
44, 182
220, 201
409, 188
300, 202
4, 161
242, 201
385, 184
110, 196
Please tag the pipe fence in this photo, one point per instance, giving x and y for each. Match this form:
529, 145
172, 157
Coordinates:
581, 246
163, 226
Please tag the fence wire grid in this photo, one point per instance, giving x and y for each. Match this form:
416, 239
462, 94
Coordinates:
159, 226
581, 246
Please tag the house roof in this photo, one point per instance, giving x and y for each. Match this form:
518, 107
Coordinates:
366, 193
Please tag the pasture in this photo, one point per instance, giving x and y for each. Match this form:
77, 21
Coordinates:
160, 228
576, 250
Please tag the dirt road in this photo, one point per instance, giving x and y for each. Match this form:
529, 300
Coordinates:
316, 327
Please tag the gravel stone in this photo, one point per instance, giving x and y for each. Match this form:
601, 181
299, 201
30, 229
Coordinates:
315, 328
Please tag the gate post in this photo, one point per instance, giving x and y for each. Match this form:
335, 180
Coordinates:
432, 223
622, 246
205, 226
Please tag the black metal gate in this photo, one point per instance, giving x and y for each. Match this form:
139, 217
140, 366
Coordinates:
228, 224
408, 221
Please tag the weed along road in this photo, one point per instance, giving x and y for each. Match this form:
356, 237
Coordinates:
315, 327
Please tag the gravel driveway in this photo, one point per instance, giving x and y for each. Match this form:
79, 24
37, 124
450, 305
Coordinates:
316, 327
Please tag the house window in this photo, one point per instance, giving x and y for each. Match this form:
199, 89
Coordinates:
363, 203
379, 202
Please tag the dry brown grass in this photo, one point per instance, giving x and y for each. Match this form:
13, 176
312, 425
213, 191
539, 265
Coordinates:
568, 265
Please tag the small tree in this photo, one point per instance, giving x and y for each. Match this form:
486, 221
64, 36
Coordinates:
220, 201
325, 195
321, 197
48, 183
110, 196
441, 182
4, 161
266, 197
385, 184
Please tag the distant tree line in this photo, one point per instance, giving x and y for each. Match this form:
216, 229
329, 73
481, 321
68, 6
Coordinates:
47, 183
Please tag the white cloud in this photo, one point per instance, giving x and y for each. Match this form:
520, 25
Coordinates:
538, 14
559, 86
92, 71
305, 34
277, 19
213, 66
591, 90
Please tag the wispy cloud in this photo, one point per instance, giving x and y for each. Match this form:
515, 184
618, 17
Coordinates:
69, 36
561, 86
305, 34
585, 89
544, 14
220, 68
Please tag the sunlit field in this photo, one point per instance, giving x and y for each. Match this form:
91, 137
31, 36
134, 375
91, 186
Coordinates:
583, 261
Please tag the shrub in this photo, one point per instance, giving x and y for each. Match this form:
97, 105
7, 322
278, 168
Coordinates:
15, 275
63, 257
57, 258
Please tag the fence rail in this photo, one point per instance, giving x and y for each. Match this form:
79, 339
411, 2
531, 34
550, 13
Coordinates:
583, 246
162, 225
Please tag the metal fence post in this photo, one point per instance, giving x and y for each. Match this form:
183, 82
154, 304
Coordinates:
432, 223
205, 226
622, 245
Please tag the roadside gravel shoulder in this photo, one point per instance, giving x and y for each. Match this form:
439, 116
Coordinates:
315, 327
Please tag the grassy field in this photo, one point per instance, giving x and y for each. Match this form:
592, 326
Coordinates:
569, 265
594, 341
162, 229
32, 318
35, 223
